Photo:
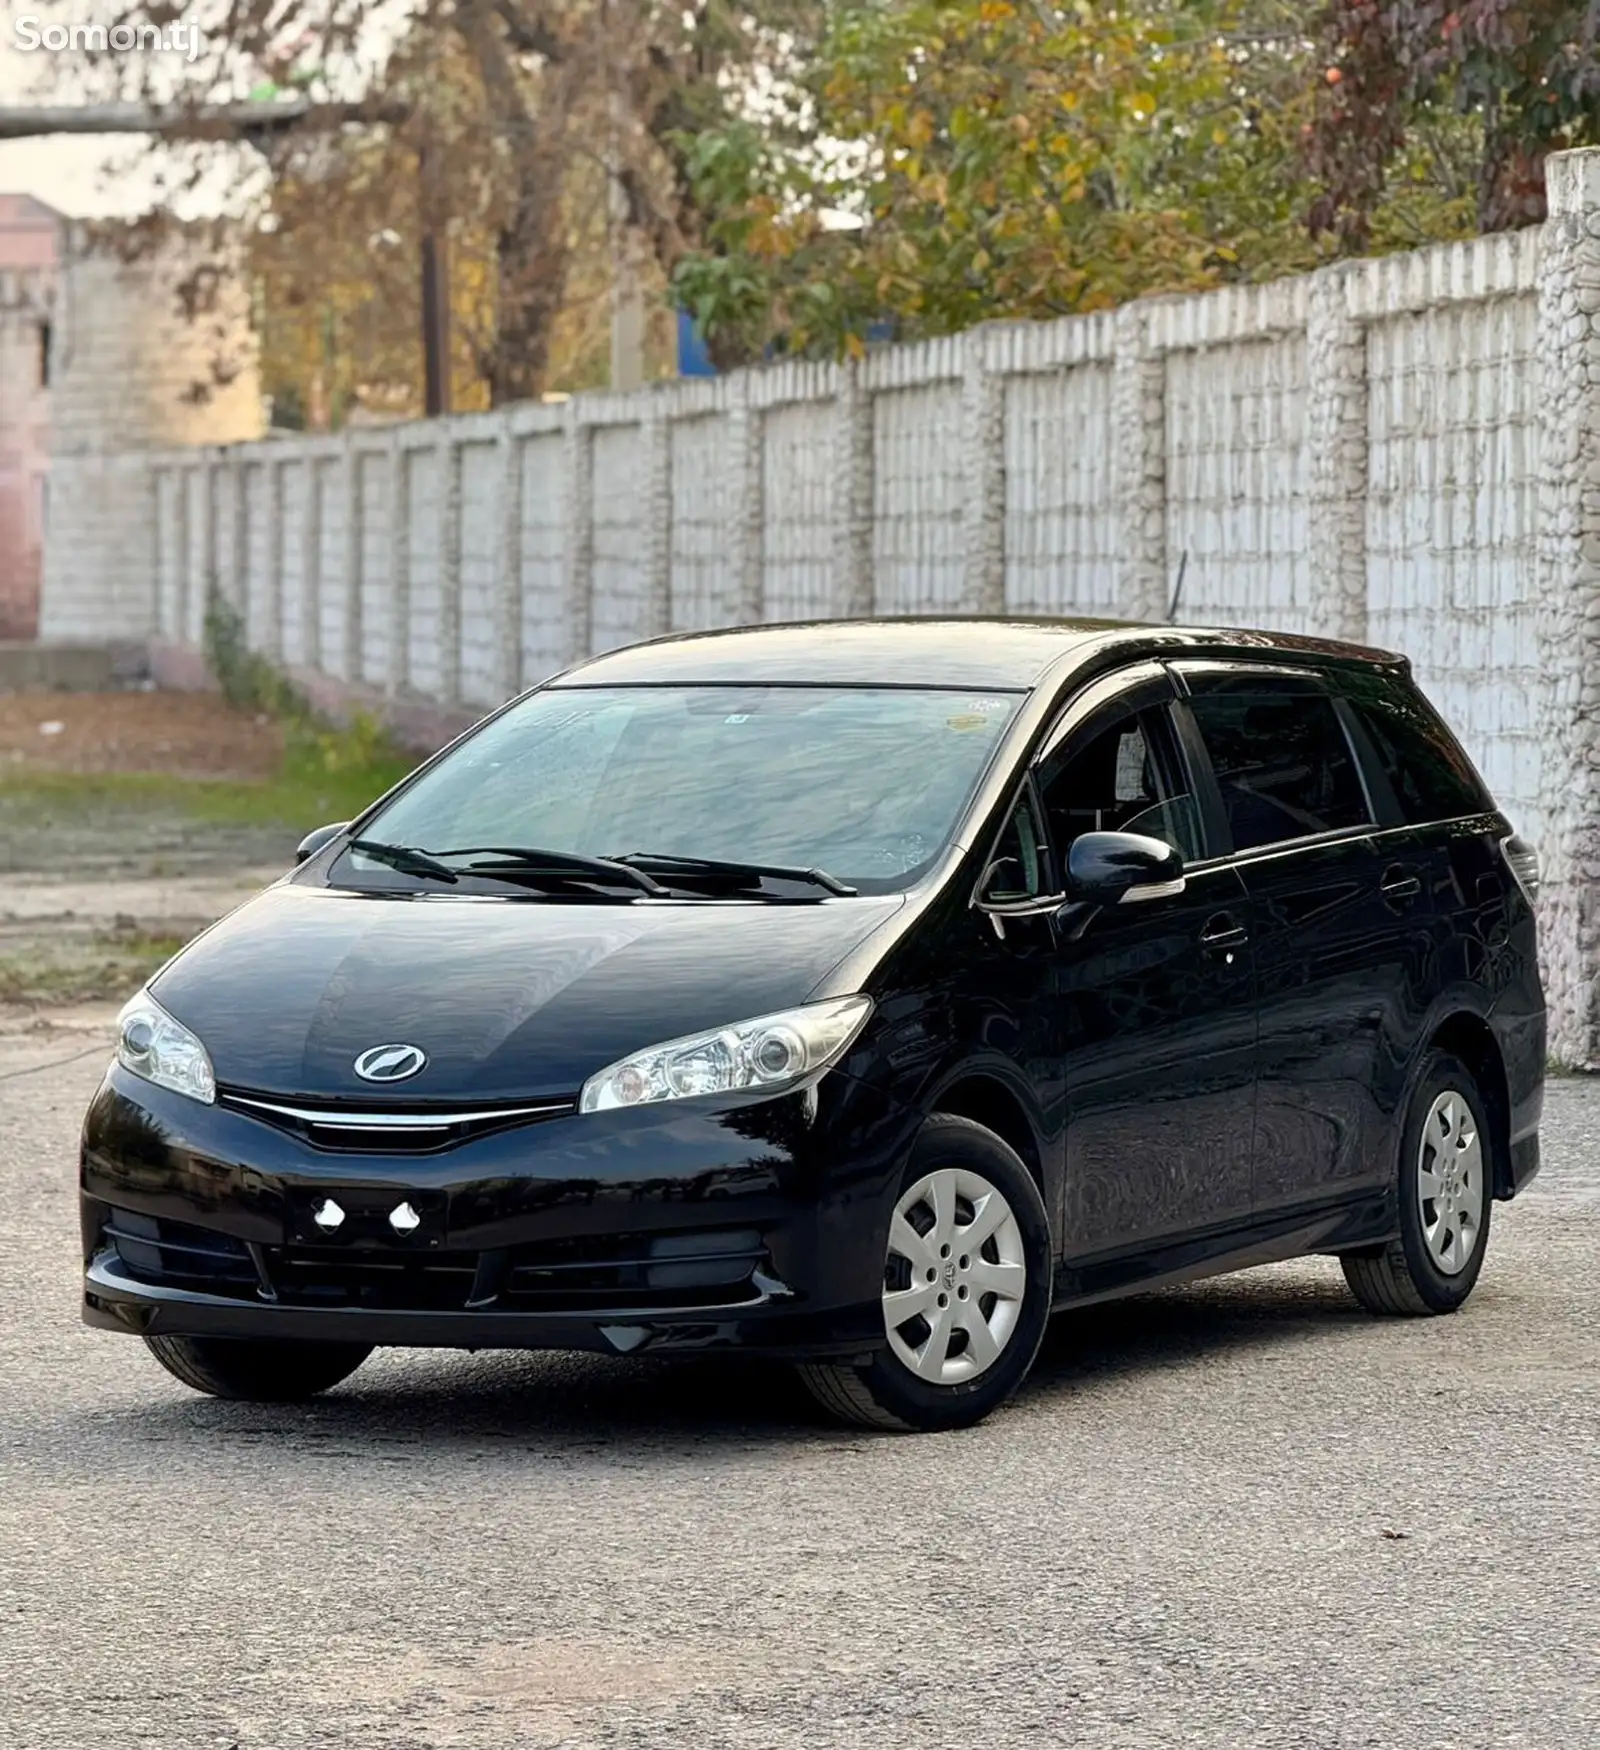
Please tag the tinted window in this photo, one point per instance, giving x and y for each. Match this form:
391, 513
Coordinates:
1017, 870
1283, 763
866, 782
1431, 777
1126, 778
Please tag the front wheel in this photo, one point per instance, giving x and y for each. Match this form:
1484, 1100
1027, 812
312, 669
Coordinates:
966, 1289
258, 1370
1445, 1188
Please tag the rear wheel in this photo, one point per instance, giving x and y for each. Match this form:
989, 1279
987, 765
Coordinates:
966, 1289
1445, 1189
256, 1369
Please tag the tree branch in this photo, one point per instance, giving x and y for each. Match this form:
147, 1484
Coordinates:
529, 36
229, 121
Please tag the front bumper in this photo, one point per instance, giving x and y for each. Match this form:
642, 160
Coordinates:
741, 1224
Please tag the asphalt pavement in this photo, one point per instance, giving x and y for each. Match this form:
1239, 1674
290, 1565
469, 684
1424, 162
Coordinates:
1241, 1514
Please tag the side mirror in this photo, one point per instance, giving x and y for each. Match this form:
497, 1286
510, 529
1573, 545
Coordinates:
1121, 868
316, 839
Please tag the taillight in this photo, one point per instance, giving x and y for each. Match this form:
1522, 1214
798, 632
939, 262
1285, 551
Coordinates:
1523, 862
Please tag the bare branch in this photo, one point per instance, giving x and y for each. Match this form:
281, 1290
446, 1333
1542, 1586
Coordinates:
230, 121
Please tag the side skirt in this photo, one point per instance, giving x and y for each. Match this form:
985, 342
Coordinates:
1364, 1220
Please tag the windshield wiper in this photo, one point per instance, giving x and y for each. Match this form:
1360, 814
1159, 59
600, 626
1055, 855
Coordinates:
522, 862
663, 863
407, 859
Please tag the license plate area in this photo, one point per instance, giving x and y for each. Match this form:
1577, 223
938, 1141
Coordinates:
348, 1218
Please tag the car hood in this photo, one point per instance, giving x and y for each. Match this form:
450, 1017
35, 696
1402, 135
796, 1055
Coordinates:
509, 998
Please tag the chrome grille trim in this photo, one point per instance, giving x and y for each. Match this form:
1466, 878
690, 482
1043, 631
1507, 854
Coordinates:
336, 1118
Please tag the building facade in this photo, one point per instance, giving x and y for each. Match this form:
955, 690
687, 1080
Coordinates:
30, 247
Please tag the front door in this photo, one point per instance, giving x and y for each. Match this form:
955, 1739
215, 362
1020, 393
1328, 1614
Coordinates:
1154, 1001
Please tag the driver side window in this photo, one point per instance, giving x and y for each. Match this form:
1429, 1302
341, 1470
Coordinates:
1125, 778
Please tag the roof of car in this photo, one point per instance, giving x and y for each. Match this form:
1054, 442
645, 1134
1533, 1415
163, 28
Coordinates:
952, 651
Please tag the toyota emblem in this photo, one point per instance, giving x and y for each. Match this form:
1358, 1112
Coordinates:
390, 1063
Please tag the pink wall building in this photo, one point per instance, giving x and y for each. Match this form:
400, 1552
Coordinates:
30, 253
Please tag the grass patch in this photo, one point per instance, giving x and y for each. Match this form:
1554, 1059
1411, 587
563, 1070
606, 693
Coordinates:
98, 824
80, 968
308, 791
153, 823
326, 775
329, 772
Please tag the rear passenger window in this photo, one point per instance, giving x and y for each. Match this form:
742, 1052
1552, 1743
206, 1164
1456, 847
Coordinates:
1282, 761
1431, 777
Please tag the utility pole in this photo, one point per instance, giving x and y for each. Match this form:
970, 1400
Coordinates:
435, 294
627, 294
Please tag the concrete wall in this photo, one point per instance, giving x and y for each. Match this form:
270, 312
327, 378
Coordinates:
1397, 451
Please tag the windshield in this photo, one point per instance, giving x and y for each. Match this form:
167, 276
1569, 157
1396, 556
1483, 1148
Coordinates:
866, 783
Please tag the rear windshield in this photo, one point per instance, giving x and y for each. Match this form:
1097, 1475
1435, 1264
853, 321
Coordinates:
868, 783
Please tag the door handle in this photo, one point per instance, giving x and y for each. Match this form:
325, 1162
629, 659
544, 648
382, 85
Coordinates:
1222, 934
1399, 883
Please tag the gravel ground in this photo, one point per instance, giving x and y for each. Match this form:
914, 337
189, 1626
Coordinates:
1243, 1513
126, 838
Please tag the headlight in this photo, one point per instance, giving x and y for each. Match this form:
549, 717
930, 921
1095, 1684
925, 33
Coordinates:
153, 1045
769, 1054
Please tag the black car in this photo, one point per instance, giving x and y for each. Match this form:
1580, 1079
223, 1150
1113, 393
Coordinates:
858, 993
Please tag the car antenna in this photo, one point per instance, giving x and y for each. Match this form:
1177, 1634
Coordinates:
1177, 589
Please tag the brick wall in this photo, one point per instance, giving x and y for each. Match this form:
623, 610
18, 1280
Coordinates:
1399, 451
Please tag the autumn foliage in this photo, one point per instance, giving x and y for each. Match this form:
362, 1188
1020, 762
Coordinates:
1526, 73
804, 174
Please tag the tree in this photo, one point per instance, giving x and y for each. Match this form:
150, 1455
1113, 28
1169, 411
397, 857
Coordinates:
967, 159
1020, 158
1512, 80
514, 119
711, 94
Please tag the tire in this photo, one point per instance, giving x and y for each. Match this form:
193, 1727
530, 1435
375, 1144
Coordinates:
1001, 1285
1432, 1265
262, 1371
